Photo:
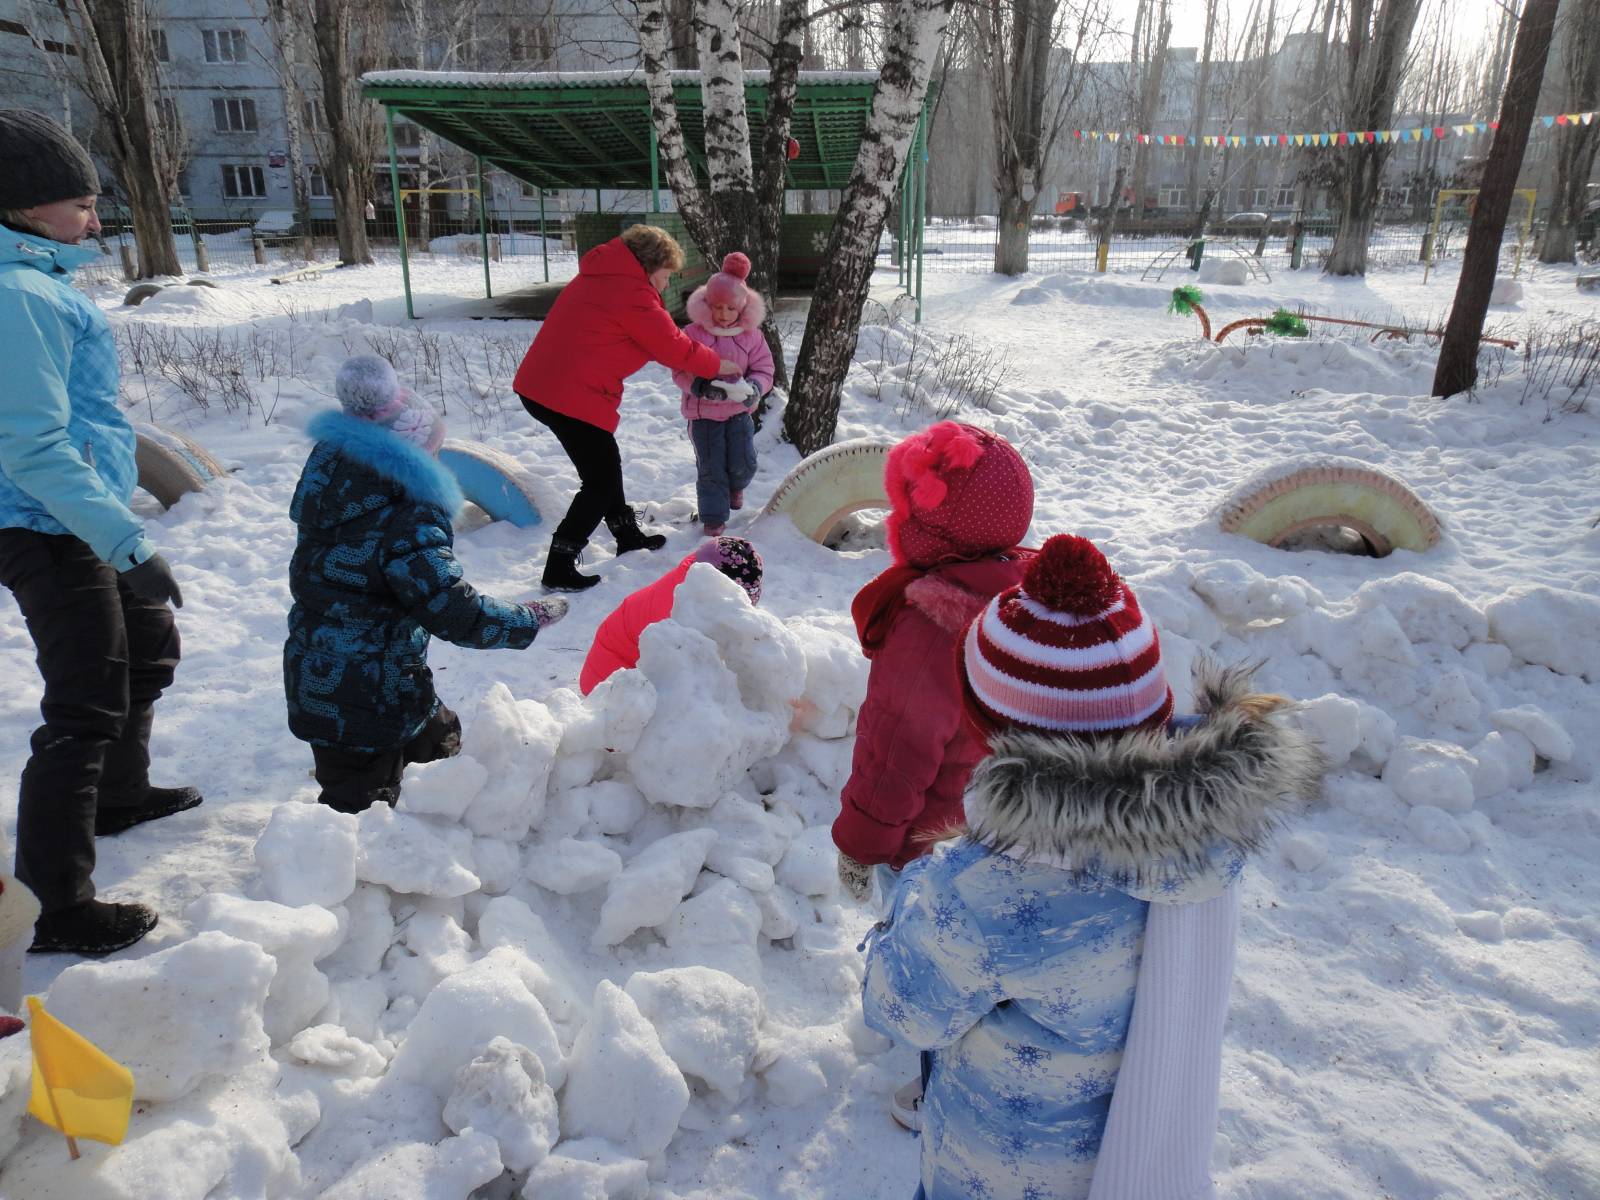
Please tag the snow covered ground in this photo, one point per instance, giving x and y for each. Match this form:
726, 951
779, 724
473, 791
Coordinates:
638, 978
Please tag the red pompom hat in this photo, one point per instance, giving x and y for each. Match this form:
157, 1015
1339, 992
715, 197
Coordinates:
728, 286
1067, 652
956, 492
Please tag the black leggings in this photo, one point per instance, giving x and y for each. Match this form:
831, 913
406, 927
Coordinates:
353, 780
594, 453
106, 656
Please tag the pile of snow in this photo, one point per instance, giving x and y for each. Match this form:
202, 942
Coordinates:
429, 1026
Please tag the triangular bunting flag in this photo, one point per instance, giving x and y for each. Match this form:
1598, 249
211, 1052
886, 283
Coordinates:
1299, 139
1548, 121
1562, 119
1588, 117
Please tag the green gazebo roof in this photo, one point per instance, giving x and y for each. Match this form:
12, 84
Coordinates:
593, 129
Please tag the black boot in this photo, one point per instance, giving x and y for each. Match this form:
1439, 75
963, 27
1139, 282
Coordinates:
111, 818
561, 568
629, 536
93, 927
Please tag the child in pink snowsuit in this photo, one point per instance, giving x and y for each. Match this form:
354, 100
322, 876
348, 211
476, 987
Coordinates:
726, 314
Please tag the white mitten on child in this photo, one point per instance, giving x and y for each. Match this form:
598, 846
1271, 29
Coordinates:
737, 389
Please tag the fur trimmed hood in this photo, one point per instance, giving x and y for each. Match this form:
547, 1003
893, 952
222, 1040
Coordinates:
750, 318
406, 465
1151, 805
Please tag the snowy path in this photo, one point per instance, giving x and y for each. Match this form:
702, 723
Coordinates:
1414, 1014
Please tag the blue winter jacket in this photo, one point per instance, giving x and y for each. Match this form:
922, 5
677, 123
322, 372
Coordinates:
373, 575
66, 451
1013, 952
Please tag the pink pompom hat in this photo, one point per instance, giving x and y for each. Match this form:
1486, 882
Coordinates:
728, 286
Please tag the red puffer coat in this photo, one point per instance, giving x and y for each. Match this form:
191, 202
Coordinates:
605, 325
616, 642
914, 747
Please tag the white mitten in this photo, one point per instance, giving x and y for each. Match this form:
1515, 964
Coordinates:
736, 389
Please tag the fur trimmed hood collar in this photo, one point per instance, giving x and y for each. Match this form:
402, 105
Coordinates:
404, 464
1148, 805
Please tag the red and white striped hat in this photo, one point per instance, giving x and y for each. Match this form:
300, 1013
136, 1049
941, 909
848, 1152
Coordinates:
1066, 652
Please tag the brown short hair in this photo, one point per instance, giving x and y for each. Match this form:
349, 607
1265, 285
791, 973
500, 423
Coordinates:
13, 219
654, 247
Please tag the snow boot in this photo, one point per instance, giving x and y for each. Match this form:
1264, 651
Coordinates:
92, 928
736, 499
157, 802
629, 536
905, 1106
561, 572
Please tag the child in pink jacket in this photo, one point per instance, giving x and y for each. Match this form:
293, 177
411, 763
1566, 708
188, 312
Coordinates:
726, 314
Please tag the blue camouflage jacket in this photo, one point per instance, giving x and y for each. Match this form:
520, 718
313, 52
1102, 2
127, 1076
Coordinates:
1013, 952
373, 575
66, 450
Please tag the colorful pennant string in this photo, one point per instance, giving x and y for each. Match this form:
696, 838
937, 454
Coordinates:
1346, 137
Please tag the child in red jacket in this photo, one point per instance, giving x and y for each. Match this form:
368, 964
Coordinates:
616, 642
961, 500
726, 315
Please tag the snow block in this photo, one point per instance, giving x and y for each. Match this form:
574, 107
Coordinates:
588, 1169
622, 1086
175, 1018
516, 742
570, 866
708, 1022
1432, 773
295, 937
503, 1093
1552, 627
307, 855
1548, 738
409, 854
442, 788
650, 886
457, 1166
337, 1049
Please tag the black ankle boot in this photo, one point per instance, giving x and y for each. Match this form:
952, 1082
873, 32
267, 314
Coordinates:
561, 568
153, 804
630, 537
93, 927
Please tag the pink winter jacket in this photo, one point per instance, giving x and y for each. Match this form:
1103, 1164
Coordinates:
914, 749
616, 642
744, 345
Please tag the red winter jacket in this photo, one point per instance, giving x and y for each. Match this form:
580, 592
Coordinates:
914, 749
616, 642
605, 325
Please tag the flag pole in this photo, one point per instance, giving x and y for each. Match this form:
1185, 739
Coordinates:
50, 1093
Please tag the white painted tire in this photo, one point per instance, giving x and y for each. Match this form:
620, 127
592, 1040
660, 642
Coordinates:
1383, 510
496, 483
172, 465
831, 484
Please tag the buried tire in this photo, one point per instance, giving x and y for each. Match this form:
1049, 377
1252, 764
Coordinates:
496, 483
1331, 493
171, 465
829, 485
139, 293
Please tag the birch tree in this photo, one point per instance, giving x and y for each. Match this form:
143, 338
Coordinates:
1575, 145
916, 28
1034, 54
1377, 36
1463, 332
119, 66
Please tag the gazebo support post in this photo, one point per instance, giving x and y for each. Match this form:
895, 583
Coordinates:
544, 246
483, 233
922, 198
399, 214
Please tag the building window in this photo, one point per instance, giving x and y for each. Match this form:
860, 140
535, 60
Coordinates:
1261, 198
318, 185
406, 135
531, 43
223, 45
158, 43
242, 183
314, 118
1174, 197
1285, 197
530, 191
234, 115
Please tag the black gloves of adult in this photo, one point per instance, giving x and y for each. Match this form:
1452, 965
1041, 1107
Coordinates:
152, 580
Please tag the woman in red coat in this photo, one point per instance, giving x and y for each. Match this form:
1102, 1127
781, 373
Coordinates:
605, 325
616, 642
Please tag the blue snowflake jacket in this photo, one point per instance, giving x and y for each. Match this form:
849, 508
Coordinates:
66, 450
373, 575
1013, 952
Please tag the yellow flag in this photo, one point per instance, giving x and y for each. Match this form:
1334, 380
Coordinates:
77, 1087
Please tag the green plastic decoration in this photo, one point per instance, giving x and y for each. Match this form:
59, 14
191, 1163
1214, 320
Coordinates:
1184, 299
1286, 324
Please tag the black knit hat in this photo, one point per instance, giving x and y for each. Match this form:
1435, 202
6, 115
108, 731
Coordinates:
40, 162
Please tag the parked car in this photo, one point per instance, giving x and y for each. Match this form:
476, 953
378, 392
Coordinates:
275, 227
1246, 220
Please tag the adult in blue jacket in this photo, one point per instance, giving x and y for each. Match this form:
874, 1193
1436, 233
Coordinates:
374, 576
91, 587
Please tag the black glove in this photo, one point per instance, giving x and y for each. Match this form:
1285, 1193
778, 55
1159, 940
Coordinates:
152, 580
700, 387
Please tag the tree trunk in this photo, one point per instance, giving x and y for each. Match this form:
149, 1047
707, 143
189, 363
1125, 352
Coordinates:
772, 168
727, 129
1375, 58
349, 164
1202, 113
119, 65
1458, 353
1016, 56
1016, 220
671, 149
917, 26
1576, 144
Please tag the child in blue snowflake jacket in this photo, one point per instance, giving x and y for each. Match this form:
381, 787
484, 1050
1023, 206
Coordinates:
1013, 952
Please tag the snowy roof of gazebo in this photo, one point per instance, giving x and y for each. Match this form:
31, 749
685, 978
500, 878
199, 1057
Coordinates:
583, 129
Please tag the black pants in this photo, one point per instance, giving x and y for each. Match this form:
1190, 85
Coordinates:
353, 780
106, 656
595, 454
